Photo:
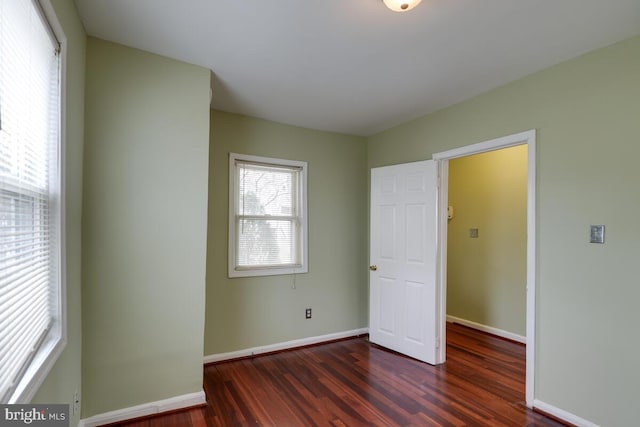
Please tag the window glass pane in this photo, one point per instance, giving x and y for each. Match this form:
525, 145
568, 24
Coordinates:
266, 190
264, 242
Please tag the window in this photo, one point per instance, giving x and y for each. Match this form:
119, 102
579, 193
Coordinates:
267, 216
31, 320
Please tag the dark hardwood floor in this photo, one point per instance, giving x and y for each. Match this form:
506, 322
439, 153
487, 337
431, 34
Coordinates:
354, 383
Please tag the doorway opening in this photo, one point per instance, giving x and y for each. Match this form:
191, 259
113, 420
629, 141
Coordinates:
486, 243
463, 227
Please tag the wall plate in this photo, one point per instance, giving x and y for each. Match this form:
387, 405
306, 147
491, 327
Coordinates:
597, 234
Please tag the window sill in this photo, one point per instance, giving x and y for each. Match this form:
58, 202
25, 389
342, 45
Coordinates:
273, 271
39, 368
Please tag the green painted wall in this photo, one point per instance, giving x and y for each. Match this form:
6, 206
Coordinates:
249, 312
144, 227
64, 378
487, 276
586, 112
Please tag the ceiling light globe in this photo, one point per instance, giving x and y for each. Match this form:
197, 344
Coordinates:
401, 5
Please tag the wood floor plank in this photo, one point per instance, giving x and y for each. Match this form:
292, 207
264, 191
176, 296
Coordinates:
355, 383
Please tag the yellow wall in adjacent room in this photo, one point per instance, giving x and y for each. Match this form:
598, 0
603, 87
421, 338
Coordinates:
487, 276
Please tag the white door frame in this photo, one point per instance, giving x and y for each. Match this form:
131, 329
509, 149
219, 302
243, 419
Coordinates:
442, 160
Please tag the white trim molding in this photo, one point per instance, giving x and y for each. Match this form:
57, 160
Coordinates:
529, 138
521, 138
562, 414
287, 345
152, 408
489, 329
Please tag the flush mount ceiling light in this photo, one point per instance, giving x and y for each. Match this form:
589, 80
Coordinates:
401, 5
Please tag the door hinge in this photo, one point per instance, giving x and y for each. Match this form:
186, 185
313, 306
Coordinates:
437, 342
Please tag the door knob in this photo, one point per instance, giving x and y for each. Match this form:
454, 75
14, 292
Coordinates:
373, 267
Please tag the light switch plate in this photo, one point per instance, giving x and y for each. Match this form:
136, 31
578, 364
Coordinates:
473, 233
597, 234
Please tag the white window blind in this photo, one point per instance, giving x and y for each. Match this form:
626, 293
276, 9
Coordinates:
268, 216
29, 188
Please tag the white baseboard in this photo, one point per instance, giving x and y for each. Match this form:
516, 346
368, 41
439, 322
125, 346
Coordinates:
151, 408
562, 414
283, 345
484, 328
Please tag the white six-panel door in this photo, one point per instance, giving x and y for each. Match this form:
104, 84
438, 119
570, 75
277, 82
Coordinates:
402, 306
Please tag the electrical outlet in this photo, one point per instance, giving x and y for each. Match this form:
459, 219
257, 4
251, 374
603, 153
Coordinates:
307, 313
76, 403
597, 234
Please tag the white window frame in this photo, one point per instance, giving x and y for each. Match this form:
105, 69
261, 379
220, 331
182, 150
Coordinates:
234, 191
55, 341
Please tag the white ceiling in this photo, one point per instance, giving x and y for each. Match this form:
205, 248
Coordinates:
353, 66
